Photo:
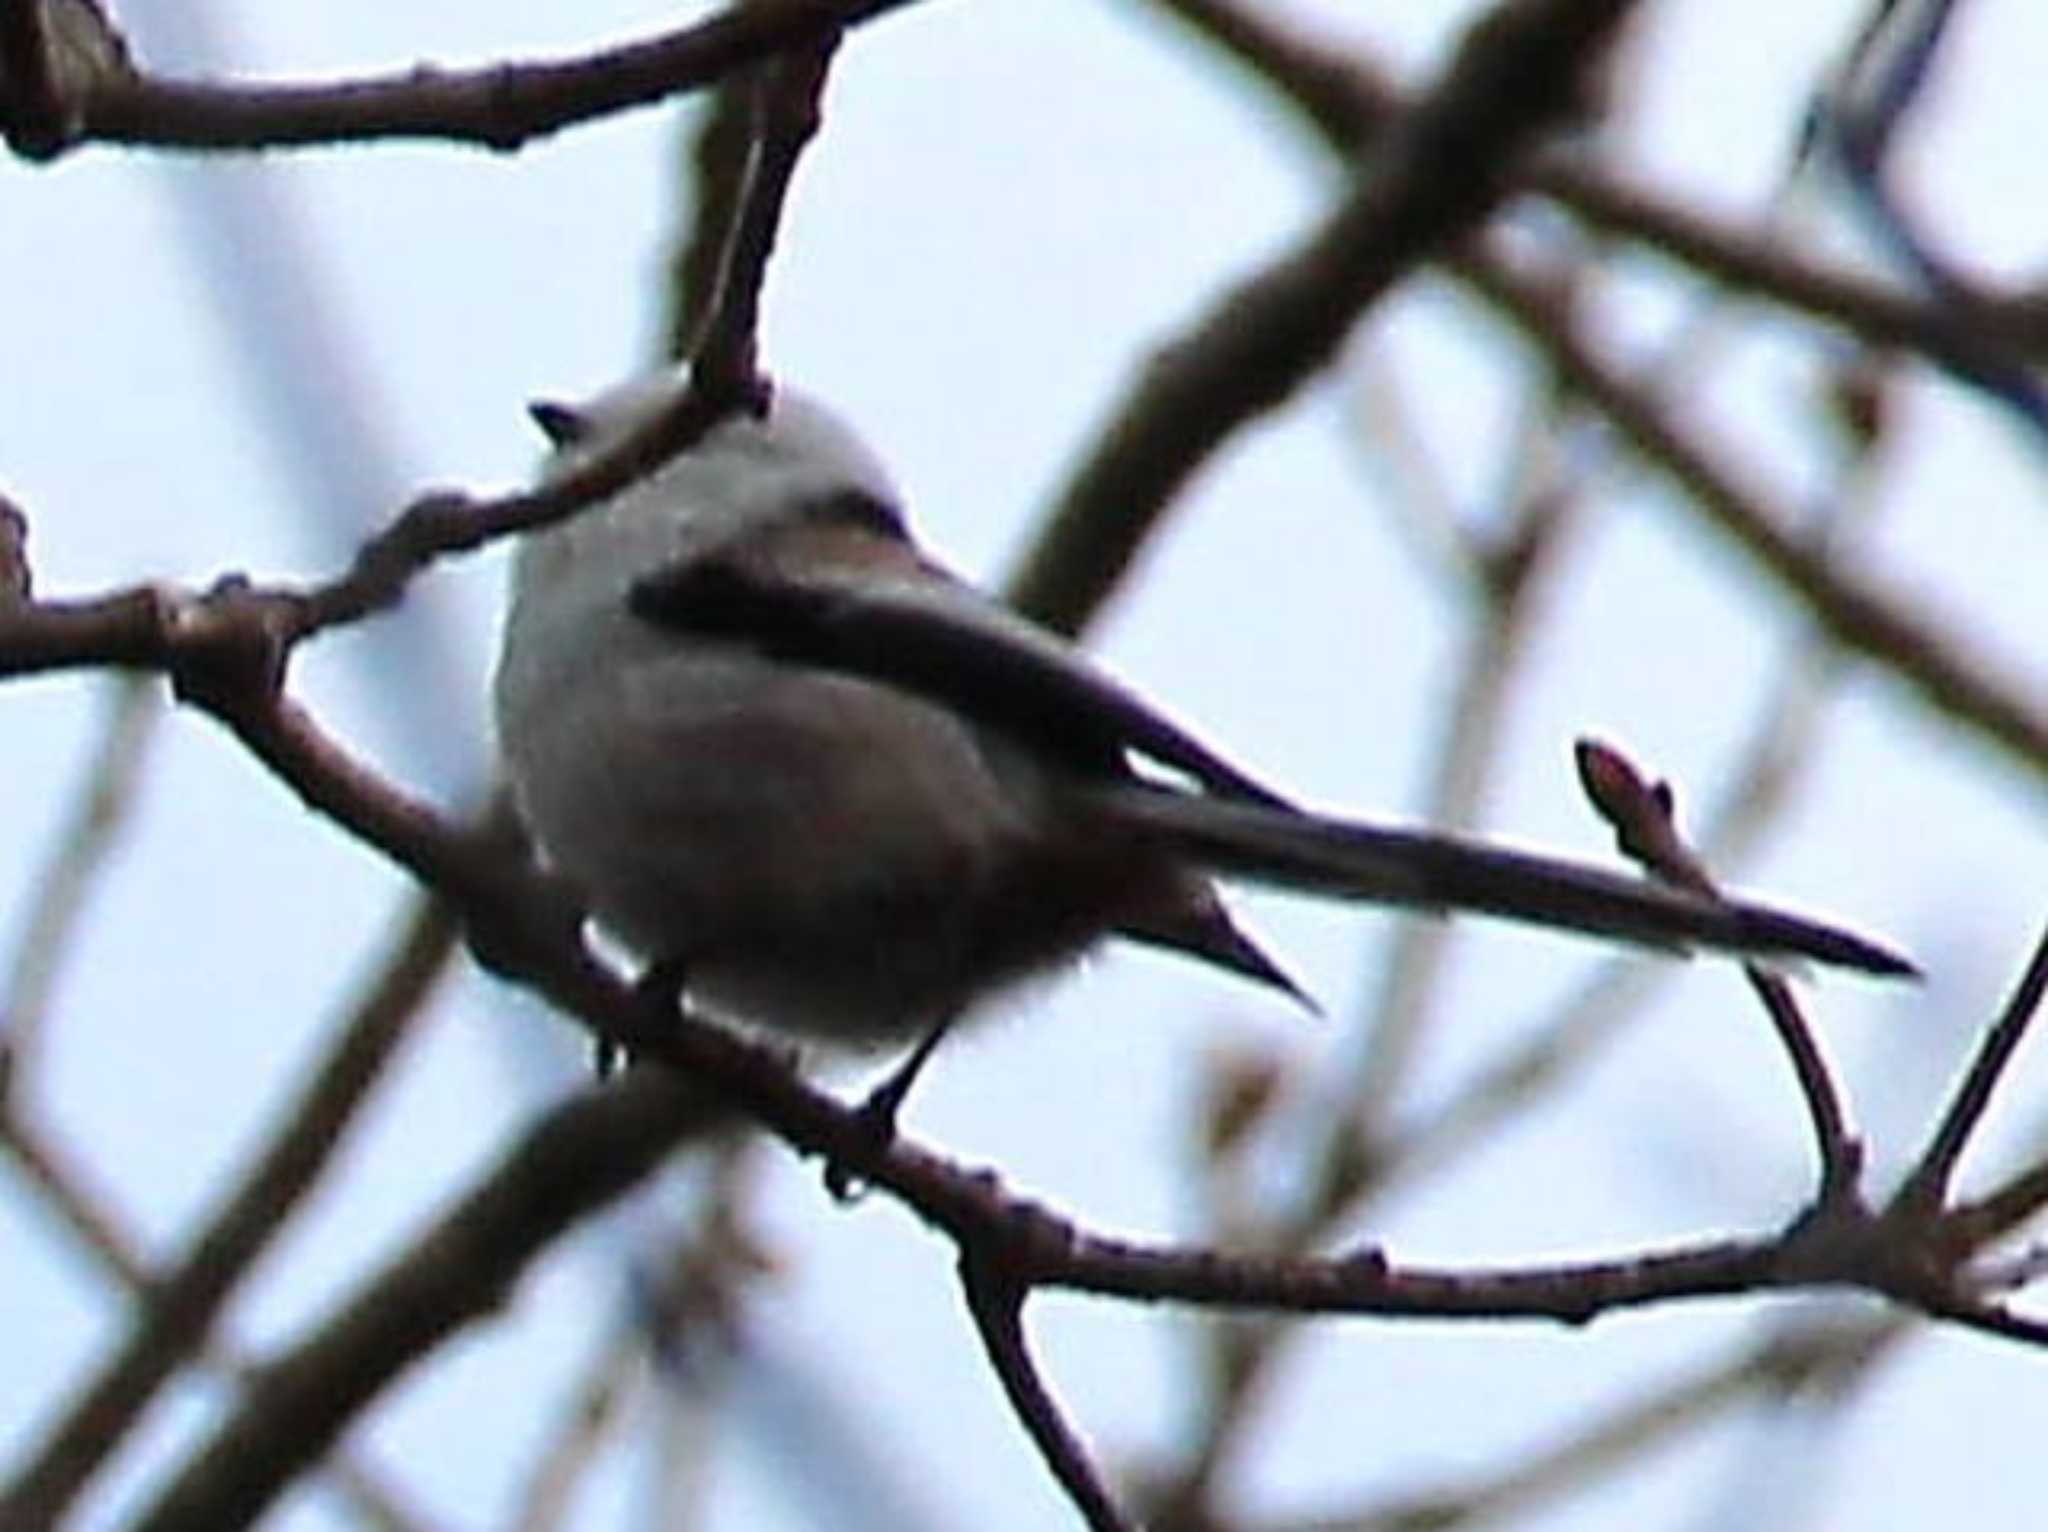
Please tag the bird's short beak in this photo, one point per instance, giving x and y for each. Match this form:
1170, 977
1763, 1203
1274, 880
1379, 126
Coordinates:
563, 424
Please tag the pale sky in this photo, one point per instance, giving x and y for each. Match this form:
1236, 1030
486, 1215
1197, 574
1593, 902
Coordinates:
1010, 206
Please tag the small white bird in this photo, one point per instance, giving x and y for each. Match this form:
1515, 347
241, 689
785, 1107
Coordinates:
843, 794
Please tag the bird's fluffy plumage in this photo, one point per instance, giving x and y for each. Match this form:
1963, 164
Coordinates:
849, 795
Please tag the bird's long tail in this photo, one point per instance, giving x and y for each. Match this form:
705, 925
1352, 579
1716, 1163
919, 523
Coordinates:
1423, 870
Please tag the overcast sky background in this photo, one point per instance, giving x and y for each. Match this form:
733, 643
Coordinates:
1010, 204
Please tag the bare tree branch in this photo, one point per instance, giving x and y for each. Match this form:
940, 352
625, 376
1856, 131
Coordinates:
1436, 175
183, 1304
1340, 100
98, 816
501, 106
1935, 663
519, 926
718, 154
1348, 103
114, 1251
786, 115
1967, 343
1927, 1187
587, 1422
1645, 829
997, 1304
1779, 1367
31, 110
145, 627
576, 1159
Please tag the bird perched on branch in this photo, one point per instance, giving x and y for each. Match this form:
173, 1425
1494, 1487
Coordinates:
844, 795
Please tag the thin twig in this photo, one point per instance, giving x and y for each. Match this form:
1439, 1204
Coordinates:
1593, 1013
519, 927
1349, 106
716, 170
83, 1208
1926, 1188
1936, 664
498, 106
1504, 577
1777, 1368
1855, 119
1964, 342
1348, 102
116, 1252
1641, 814
577, 1158
997, 1303
786, 116
1382, 430
185, 1301
593, 1409
231, 663
1986, 1318
99, 814
1513, 571
1435, 176
2005, 1208
580, 1159
724, 379
151, 628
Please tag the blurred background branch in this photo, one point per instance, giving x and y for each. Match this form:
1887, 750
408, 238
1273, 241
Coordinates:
689, 1359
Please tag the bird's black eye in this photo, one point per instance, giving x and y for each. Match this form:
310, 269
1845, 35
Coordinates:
852, 507
562, 424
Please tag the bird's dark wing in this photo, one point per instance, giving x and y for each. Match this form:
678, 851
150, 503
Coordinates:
946, 643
